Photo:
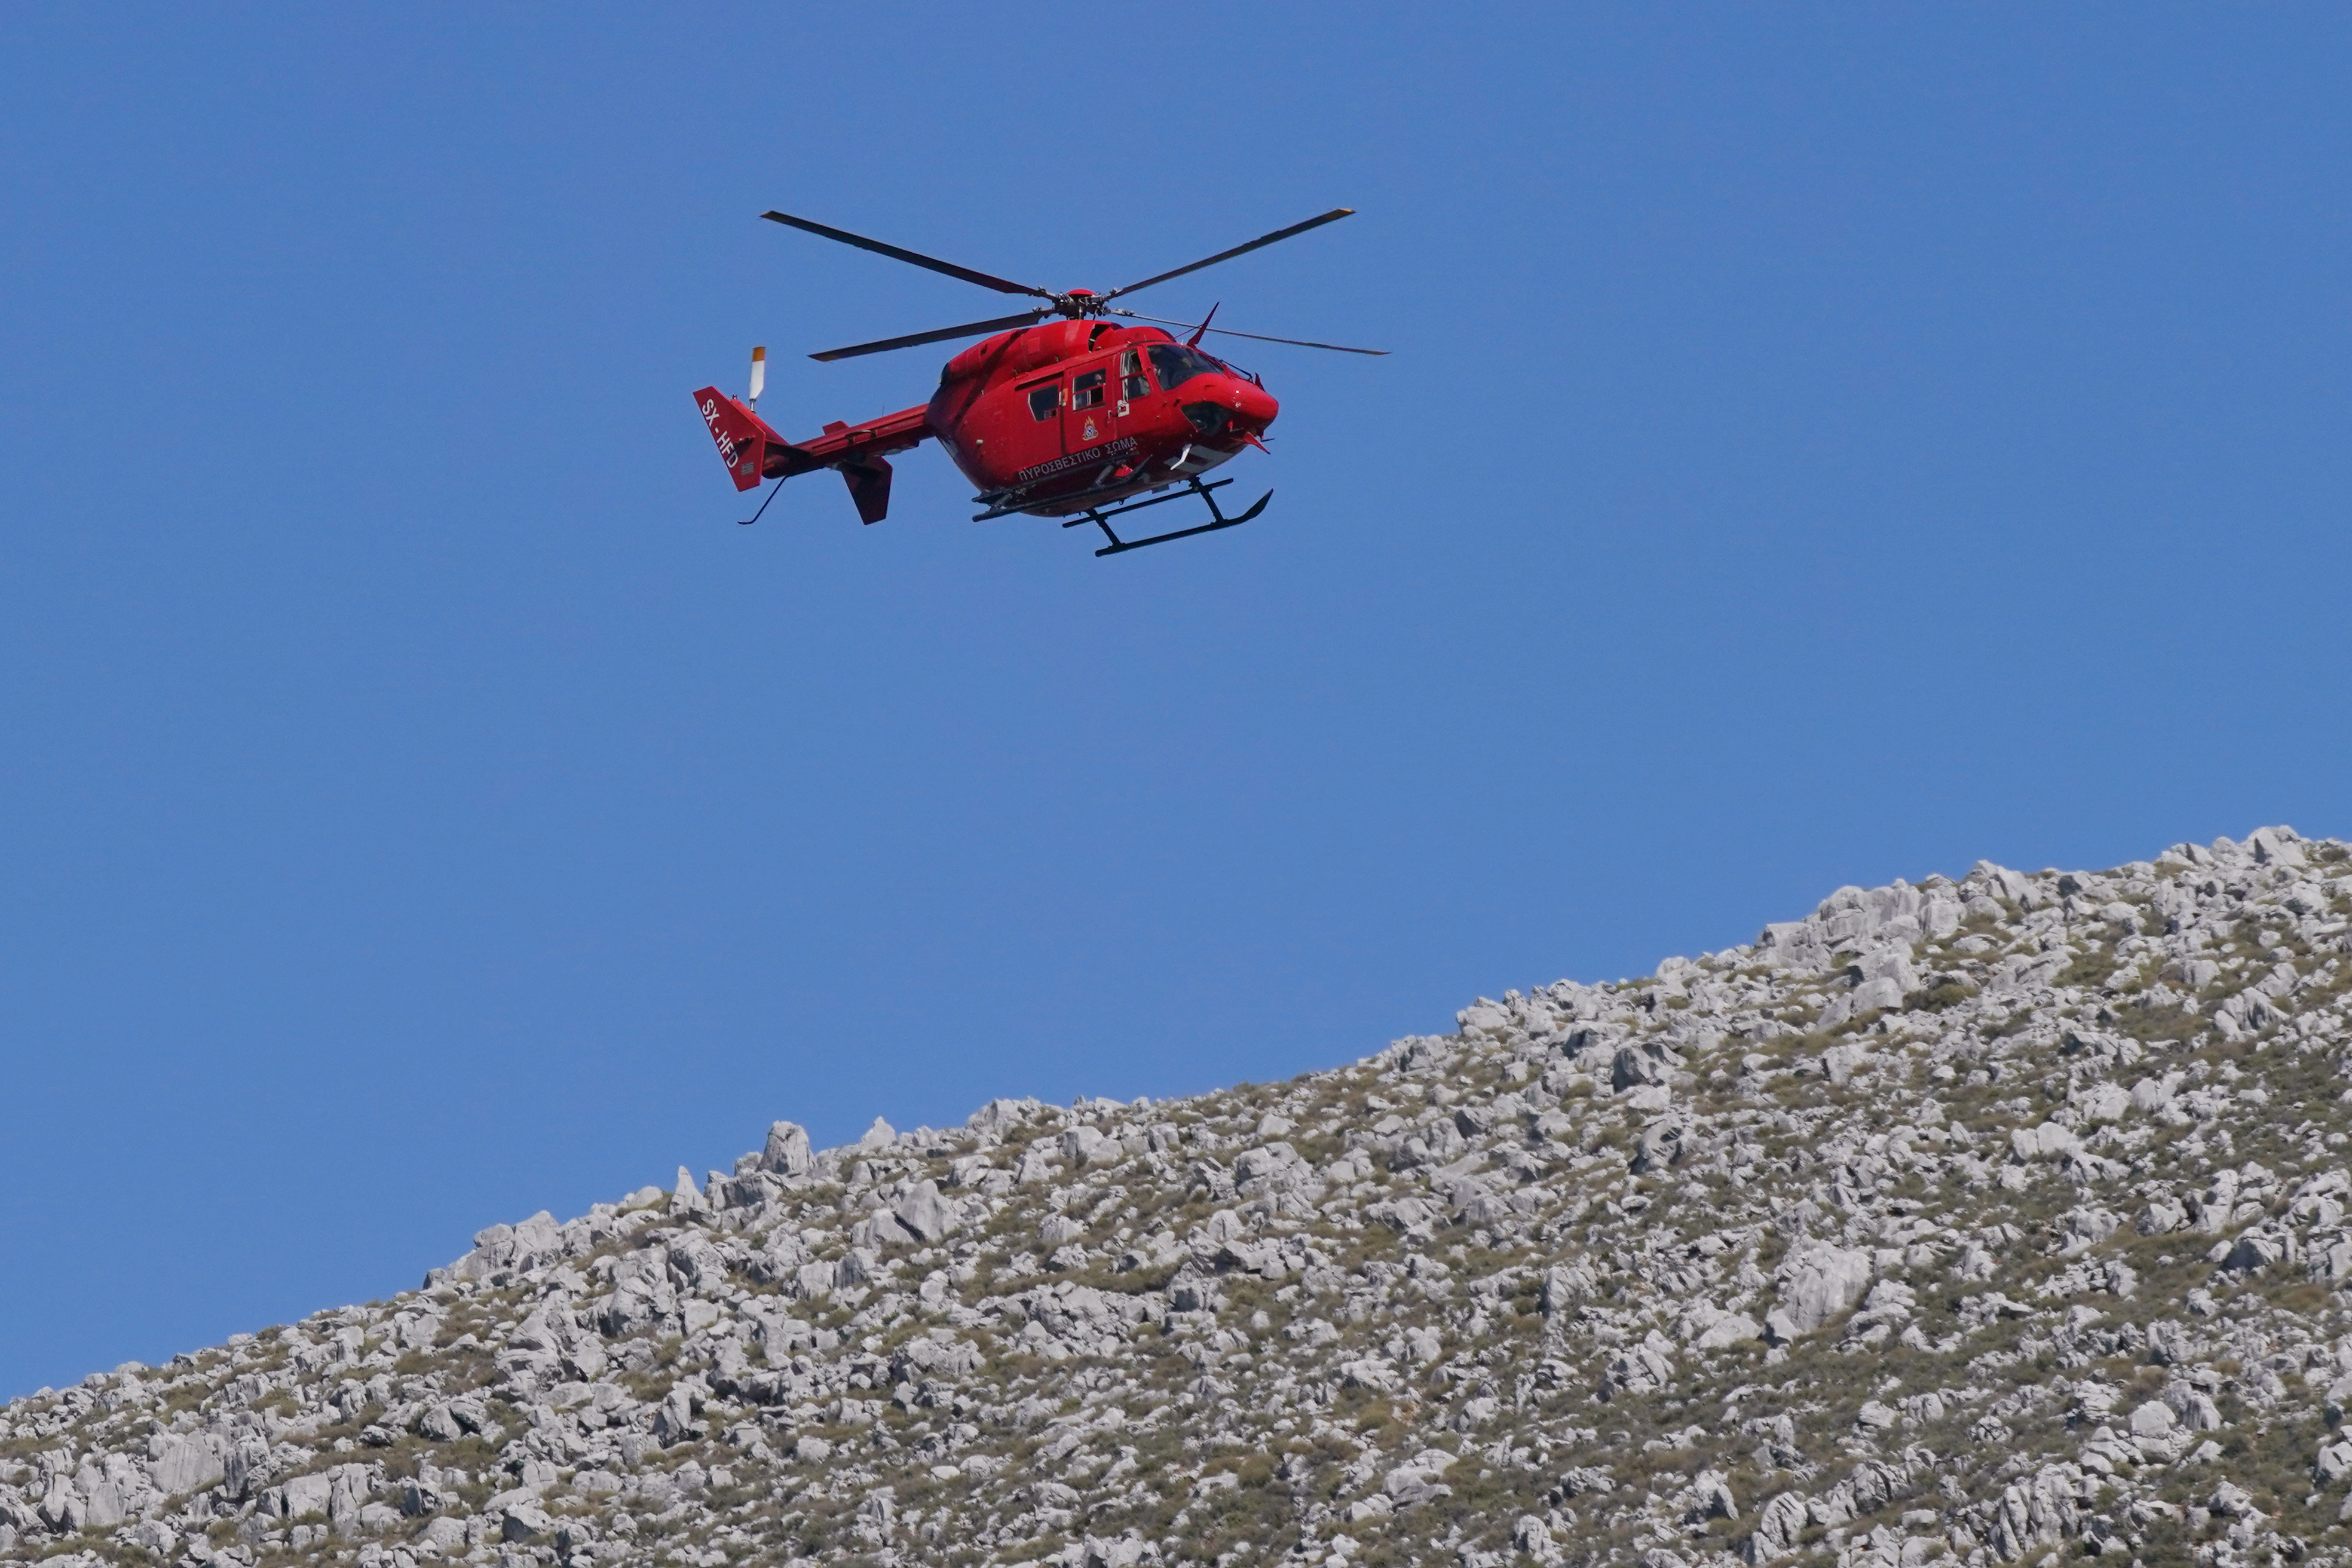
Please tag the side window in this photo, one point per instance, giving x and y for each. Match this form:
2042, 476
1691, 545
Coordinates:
1044, 400
1130, 370
1087, 389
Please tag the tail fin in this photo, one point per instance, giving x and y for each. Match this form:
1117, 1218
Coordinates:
742, 438
869, 487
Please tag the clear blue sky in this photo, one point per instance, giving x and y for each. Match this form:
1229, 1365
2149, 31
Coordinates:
1822, 445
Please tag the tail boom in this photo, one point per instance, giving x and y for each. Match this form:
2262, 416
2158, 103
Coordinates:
752, 450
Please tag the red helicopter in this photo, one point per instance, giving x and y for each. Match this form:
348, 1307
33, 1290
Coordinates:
1067, 419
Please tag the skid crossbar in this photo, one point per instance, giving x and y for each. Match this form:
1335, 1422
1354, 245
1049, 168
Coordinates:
1102, 519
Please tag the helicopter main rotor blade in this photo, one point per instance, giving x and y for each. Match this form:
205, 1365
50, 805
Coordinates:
985, 279
969, 329
1332, 216
1254, 337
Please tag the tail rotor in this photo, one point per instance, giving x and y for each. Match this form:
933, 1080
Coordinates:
751, 401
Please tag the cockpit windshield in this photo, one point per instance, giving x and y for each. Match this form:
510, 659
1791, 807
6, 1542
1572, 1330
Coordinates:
1175, 365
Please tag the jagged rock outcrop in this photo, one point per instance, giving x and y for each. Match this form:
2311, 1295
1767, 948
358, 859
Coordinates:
1979, 1221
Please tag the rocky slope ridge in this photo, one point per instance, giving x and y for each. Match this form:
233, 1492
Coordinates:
1990, 1221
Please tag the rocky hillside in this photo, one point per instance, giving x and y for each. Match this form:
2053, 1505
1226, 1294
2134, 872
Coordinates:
1997, 1221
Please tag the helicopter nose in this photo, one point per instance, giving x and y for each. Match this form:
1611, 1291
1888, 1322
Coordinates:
1253, 406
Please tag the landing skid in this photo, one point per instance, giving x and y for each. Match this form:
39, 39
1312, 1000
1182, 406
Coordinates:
1102, 519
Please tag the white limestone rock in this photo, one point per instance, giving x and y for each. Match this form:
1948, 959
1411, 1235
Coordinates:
1844, 1210
1815, 1283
